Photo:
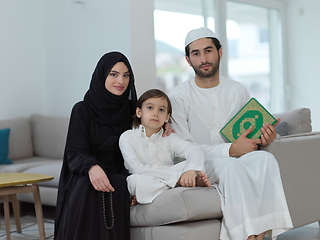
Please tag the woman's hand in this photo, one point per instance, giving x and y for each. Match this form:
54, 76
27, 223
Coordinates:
167, 130
99, 179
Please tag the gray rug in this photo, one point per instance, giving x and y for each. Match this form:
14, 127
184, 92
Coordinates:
29, 228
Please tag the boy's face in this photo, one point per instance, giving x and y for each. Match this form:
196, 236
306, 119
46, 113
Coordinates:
153, 113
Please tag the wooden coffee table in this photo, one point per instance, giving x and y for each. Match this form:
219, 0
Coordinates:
13, 183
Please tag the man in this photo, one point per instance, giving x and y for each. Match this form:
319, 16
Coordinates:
225, 98
201, 107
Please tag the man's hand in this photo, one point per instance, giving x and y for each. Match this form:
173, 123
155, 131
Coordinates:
188, 179
168, 130
99, 179
268, 133
243, 144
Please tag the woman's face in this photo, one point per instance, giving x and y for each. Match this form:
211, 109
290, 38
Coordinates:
118, 78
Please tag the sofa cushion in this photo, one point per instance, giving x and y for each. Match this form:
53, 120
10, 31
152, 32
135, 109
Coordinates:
207, 229
20, 141
298, 120
4, 146
178, 205
282, 128
22, 165
52, 169
49, 135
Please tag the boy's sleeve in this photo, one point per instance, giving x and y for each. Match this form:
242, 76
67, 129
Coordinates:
191, 151
129, 150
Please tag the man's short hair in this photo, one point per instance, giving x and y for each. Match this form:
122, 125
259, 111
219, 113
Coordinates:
215, 41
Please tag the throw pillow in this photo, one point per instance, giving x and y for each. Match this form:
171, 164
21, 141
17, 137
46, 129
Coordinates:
4, 146
282, 128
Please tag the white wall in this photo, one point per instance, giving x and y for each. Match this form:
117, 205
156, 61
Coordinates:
142, 44
22, 58
49, 50
77, 35
303, 56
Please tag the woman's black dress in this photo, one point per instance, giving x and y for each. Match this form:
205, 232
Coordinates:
82, 214
95, 126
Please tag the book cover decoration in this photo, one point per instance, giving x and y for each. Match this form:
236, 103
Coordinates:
253, 113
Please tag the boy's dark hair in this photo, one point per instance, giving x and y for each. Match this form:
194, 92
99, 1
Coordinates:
215, 41
152, 93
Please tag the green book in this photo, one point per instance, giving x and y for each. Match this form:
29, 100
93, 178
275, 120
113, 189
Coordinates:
253, 113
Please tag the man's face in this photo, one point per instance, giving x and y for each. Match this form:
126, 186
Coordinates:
204, 57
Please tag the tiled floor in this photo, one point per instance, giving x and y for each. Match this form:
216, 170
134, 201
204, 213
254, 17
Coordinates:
30, 231
308, 232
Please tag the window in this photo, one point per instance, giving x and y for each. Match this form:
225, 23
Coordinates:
172, 22
170, 31
249, 48
249, 34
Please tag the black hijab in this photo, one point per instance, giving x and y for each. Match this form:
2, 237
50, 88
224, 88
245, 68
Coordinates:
108, 109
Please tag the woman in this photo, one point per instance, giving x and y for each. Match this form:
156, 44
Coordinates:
93, 200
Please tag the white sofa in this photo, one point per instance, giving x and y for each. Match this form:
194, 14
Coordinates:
188, 214
36, 145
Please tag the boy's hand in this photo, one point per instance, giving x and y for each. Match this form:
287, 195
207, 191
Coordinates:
134, 201
188, 179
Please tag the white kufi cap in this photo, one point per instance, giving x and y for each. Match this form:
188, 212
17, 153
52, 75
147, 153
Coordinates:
198, 33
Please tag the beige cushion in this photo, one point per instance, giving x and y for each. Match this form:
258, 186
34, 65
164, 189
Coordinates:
21, 165
199, 230
20, 141
282, 128
52, 169
178, 205
49, 135
298, 120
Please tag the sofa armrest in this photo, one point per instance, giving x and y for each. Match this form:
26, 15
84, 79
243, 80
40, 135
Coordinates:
299, 160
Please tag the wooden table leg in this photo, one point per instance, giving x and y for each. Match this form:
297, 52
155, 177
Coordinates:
7, 215
16, 211
38, 209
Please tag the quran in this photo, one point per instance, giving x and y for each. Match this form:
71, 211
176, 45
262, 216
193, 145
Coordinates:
253, 113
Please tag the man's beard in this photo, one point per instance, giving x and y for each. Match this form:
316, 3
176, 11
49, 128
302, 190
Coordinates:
207, 74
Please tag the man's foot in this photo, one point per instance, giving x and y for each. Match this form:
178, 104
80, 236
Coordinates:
202, 180
260, 236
